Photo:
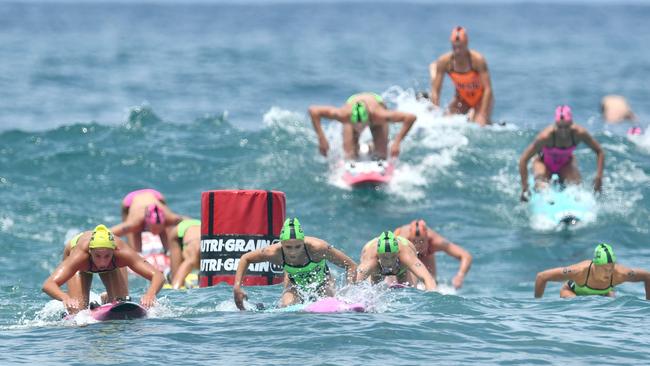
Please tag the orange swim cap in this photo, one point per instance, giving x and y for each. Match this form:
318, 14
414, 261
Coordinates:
458, 34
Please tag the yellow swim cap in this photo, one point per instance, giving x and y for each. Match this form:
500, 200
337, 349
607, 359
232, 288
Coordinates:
101, 238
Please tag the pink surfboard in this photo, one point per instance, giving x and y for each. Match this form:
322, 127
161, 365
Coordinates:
119, 310
333, 305
361, 173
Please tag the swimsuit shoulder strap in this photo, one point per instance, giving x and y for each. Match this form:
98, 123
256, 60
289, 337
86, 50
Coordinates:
554, 142
588, 272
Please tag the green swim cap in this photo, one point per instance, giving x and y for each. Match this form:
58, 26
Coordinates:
387, 243
604, 254
291, 230
359, 113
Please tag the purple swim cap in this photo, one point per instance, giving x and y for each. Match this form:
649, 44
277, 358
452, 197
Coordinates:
563, 113
154, 215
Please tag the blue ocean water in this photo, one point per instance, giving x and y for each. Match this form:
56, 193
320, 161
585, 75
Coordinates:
99, 99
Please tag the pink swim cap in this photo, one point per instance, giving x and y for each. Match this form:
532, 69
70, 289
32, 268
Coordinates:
563, 113
154, 215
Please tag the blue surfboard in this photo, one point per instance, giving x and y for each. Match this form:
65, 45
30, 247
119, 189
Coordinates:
561, 207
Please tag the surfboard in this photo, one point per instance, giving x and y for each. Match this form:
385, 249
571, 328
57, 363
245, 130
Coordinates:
560, 206
368, 172
119, 310
324, 305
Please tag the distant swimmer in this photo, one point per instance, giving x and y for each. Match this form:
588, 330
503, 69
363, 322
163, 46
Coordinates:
359, 111
554, 147
186, 241
598, 276
616, 109
389, 255
99, 251
468, 71
304, 259
146, 210
427, 242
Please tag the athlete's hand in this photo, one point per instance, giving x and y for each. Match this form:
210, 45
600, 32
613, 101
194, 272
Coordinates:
481, 119
71, 303
240, 296
394, 149
598, 183
323, 146
457, 281
148, 301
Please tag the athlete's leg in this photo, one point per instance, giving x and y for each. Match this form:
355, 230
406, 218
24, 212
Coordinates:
541, 173
457, 106
569, 173
350, 142
79, 289
380, 140
289, 297
116, 283
191, 258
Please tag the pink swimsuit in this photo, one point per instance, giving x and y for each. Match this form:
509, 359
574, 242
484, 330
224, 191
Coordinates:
557, 157
129, 197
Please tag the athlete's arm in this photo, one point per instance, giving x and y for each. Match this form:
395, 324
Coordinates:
555, 274
256, 256
634, 275
436, 78
456, 251
531, 150
316, 112
367, 265
140, 266
600, 156
407, 120
342, 260
61, 275
411, 261
482, 116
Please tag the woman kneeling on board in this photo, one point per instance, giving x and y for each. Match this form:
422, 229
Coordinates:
99, 251
304, 259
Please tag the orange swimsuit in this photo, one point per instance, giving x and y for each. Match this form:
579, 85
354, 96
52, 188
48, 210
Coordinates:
468, 84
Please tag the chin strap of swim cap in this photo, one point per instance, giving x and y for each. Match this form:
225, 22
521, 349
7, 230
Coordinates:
603, 254
359, 113
291, 230
101, 238
387, 243
154, 215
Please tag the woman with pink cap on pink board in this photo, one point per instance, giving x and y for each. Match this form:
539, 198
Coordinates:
146, 210
554, 147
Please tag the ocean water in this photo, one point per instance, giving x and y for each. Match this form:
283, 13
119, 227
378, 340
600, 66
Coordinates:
99, 99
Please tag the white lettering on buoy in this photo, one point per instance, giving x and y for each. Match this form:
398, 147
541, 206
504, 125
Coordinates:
233, 245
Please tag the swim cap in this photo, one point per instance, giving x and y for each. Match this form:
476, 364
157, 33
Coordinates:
359, 113
291, 230
418, 228
563, 113
458, 34
101, 238
387, 243
604, 254
154, 215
